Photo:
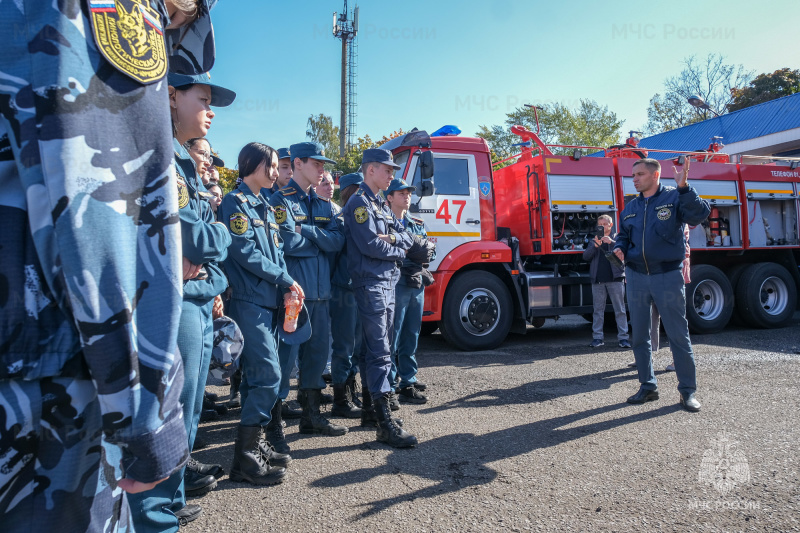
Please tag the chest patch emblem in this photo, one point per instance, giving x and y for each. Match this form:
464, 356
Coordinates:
664, 214
296, 208
183, 195
238, 223
280, 214
130, 36
360, 214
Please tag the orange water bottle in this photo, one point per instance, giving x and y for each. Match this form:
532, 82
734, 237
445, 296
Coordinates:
293, 305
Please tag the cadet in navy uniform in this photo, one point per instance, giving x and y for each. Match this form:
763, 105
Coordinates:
204, 243
284, 171
345, 324
372, 253
258, 279
409, 301
90, 376
310, 233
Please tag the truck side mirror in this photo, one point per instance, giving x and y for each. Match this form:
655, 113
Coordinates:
426, 174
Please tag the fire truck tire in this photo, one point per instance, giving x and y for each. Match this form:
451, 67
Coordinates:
734, 274
709, 300
477, 311
766, 295
428, 328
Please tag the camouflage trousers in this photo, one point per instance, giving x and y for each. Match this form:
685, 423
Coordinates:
56, 474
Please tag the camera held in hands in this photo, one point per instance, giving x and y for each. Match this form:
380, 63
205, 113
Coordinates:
599, 232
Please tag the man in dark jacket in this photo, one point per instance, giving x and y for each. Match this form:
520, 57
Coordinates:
607, 280
651, 241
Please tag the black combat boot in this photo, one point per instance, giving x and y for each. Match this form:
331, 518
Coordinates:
189, 513
352, 391
273, 432
368, 418
274, 457
235, 398
312, 420
288, 412
388, 431
342, 404
205, 469
249, 464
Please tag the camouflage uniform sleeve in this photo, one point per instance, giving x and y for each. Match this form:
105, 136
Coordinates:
93, 162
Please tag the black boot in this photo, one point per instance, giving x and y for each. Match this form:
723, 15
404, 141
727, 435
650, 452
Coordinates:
274, 457
235, 398
189, 513
368, 418
388, 431
205, 469
352, 391
249, 464
288, 412
274, 430
312, 420
342, 405
196, 484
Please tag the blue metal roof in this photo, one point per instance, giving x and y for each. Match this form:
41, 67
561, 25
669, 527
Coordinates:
774, 116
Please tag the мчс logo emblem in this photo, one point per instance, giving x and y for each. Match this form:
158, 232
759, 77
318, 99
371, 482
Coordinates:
724, 465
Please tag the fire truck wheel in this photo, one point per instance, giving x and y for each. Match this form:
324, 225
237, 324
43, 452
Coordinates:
428, 328
734, 274
477, 311
709, 299
766, 295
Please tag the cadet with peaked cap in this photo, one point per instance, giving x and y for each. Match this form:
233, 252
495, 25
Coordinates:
284, 170
310, 233
409, 301
375, 242
204, 243
90, 378
258, 279
345, 324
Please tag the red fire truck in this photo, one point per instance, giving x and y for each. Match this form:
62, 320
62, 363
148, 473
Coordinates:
510, 240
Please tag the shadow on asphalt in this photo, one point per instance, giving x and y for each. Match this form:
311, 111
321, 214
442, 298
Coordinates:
451, 472
538, 391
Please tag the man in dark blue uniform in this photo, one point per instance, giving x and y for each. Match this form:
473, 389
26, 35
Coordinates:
652, 242
310, 235
284, 171
409, 301
376, 242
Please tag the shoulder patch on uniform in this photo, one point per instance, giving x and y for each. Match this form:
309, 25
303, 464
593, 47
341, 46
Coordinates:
322, 219
287, 191
417, 220
206, 195
280, 214
360, 214
238, 223
360, 192
240, 195
629, 216
130, 36
183, 194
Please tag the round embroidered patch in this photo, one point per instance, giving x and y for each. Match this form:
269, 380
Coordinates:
360, 214
238, 223
664, 214
183, 195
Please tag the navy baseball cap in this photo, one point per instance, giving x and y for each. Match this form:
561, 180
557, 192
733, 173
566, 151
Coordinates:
398, 185
378, 155
351, 179
191, 48
311, 150
283, 153
220, 96
303, 331
216, 161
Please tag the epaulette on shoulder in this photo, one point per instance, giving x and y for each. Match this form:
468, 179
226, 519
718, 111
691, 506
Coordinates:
241, 197
360, 192
287, 191
417, 220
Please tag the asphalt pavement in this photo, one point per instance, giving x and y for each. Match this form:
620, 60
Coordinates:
536, 436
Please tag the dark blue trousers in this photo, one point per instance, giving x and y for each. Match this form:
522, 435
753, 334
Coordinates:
376, 309
346, 333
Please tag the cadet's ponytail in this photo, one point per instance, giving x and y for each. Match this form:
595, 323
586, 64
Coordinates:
254, 155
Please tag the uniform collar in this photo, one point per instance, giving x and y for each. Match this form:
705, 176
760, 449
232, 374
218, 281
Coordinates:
301, 194
253, 198
658, 191
369, 194
180, 151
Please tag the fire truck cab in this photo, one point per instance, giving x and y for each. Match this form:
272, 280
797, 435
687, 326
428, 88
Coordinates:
510, 241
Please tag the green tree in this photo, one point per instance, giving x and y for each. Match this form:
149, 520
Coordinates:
589, 124
352, 157
766, 87
711, 78
227, 179
320, 128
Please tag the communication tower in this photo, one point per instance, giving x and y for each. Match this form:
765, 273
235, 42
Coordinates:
346, 29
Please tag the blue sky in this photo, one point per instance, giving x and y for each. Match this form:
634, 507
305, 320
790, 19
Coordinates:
467, 63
